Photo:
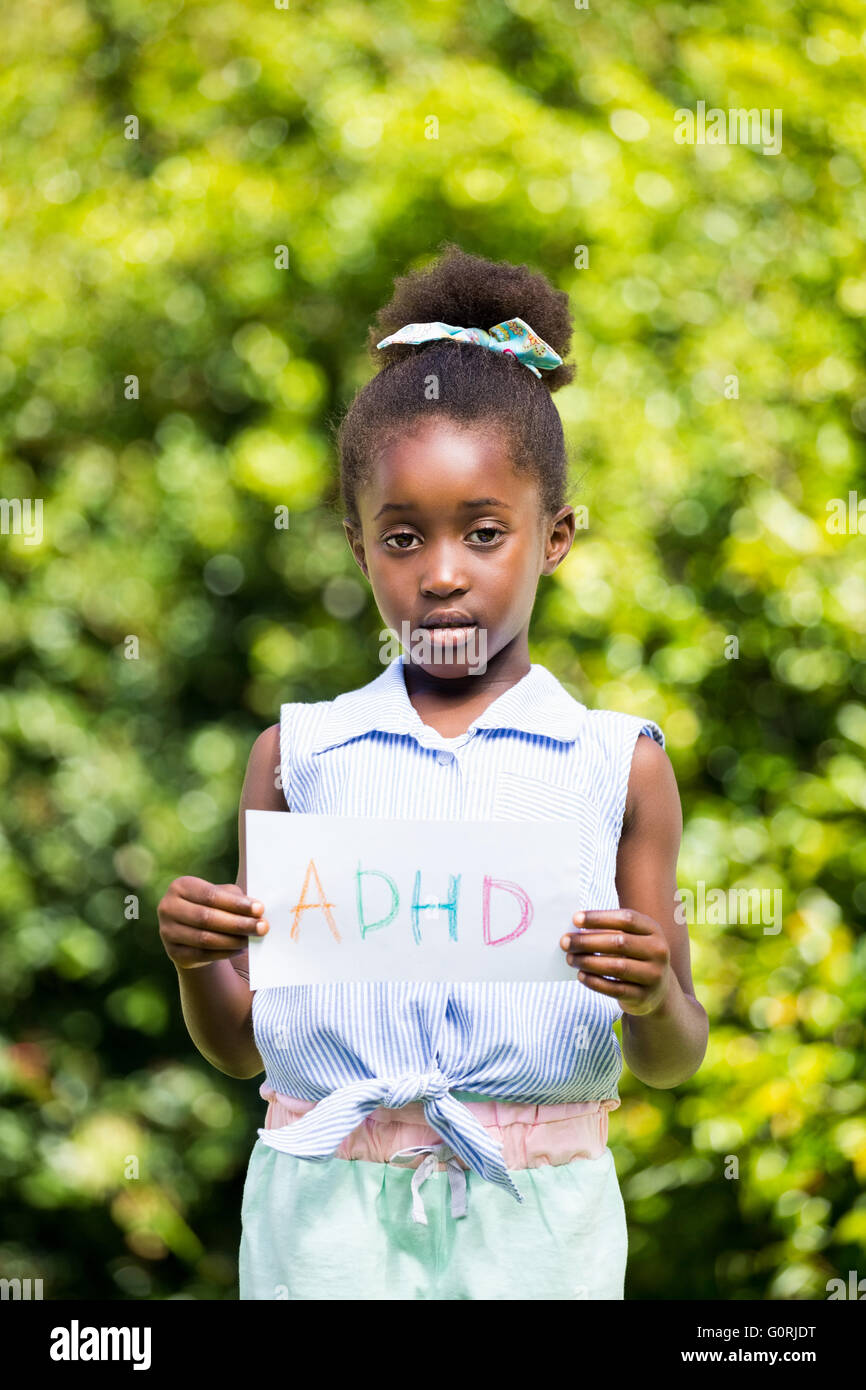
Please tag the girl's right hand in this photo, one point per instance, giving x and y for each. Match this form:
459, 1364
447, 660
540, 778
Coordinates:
201, 922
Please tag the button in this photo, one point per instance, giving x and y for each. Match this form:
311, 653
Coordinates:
443, 756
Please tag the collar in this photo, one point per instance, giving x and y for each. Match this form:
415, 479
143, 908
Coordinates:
536, 704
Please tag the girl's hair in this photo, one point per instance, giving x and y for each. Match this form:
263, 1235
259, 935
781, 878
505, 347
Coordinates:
476, 387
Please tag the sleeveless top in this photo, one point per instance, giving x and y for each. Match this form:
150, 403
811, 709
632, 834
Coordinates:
535, 753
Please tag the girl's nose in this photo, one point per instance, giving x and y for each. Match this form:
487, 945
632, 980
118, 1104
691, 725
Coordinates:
443, 574
442, 590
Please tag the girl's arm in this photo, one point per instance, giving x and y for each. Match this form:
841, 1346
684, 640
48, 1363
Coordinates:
664, 1047
216, 998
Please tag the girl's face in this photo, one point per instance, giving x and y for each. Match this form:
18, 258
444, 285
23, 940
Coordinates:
450, 531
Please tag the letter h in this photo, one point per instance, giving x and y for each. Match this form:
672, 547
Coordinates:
451, 905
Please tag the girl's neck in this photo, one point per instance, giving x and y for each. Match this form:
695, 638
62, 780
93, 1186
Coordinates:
449, 705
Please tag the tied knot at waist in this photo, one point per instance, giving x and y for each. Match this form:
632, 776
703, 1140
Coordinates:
412, 1086
318, 1134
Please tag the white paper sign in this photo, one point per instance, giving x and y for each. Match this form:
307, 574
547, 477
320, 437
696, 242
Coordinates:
368, 899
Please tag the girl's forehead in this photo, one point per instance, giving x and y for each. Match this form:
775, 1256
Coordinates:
451, 485
446, 466
447, 458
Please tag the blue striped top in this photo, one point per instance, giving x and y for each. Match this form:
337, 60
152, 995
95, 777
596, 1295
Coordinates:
535, 753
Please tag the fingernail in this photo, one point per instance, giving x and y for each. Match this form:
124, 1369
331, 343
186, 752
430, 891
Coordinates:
565, 942
256, 906
578, 917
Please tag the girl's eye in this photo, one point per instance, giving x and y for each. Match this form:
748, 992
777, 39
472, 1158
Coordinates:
396, 535
487, 530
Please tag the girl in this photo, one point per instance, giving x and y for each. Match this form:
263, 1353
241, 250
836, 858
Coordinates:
453, 471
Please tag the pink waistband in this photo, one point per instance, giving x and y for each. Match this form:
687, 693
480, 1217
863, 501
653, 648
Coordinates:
532, 1136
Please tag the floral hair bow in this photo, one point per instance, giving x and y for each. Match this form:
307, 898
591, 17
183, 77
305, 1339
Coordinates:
512, 335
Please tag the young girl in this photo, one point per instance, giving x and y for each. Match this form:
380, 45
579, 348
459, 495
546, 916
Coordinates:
453, 471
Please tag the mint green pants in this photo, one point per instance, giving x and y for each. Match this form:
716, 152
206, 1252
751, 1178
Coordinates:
343, 1229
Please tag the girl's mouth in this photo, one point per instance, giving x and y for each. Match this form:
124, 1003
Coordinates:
460, 633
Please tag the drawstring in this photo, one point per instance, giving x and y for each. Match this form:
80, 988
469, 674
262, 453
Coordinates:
436, 1153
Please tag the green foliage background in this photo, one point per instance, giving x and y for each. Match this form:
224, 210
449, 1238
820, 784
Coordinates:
308, 127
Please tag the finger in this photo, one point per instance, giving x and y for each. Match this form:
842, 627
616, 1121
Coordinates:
224, 896
588, 941
629, 971
206, 940
589, 946
616, 917
211, 919
617, 989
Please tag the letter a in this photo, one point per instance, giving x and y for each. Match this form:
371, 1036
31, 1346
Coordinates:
304, 905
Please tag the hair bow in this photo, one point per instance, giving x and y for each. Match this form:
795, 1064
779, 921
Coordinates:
512, 335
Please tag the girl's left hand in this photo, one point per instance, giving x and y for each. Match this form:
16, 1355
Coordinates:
637, 954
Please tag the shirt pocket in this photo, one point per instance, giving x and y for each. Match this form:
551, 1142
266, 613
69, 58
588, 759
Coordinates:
527, 798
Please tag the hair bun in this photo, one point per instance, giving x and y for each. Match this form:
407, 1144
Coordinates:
468, 291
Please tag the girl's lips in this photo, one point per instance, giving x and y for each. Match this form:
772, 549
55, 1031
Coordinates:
457, 634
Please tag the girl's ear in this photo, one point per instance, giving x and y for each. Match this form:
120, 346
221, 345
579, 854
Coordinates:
559, 535
356, 545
